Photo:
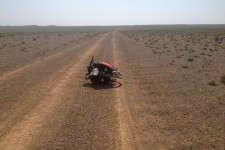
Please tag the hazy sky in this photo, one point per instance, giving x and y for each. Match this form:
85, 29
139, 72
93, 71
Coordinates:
111, 12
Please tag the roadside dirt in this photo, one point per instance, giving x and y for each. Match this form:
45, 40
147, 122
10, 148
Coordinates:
128, 134
24, 66
175, 107
18, 50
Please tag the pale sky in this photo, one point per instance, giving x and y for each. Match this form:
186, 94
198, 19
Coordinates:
111, 12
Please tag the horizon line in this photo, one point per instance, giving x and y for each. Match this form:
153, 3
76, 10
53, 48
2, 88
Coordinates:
108, 25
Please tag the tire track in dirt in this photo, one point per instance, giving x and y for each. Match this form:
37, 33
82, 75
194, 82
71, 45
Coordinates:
21, 135
22, 93
128, 134
90, 121
11, 74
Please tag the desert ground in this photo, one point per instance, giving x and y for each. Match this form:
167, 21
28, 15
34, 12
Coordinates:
172, 94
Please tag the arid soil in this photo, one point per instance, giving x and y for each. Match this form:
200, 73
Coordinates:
172, 94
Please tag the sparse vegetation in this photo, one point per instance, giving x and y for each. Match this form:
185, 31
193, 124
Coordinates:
223, 79
190, 59
185, 67
186, 82
34, 39
212, 83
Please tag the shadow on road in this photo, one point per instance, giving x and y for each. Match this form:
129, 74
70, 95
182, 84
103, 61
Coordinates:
102, 86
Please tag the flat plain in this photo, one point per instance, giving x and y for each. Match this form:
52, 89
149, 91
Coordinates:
172, 94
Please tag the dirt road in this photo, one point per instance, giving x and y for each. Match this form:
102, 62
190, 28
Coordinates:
47, 99
47, 104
